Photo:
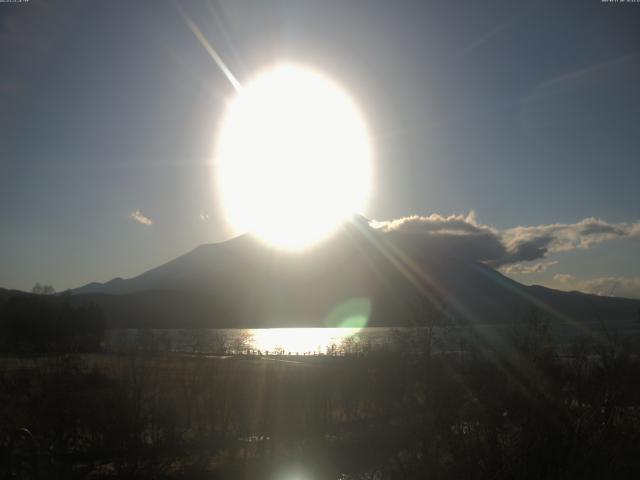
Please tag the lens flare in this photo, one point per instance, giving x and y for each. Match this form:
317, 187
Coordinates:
351, 314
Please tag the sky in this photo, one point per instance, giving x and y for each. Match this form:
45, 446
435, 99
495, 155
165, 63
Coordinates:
516, 122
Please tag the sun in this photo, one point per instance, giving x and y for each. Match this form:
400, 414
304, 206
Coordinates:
293, 158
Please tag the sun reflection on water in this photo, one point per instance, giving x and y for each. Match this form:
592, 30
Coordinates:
300, 340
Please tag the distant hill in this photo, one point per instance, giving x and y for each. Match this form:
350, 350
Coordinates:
5, 294
243, 283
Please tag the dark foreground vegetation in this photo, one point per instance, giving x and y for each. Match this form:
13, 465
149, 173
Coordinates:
49, 324
518, 411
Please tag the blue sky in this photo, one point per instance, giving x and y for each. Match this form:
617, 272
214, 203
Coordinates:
527, 113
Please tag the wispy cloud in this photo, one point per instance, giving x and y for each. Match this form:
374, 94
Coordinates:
607, 286
465, 236
139, 217
562, 237
564, 277
524, 269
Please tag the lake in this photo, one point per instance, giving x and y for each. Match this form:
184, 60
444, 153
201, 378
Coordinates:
309, 341
300, 341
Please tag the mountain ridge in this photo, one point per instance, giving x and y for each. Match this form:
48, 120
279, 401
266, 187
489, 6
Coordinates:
245, 283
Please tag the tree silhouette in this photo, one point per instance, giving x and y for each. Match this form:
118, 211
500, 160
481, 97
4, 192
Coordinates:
39, 289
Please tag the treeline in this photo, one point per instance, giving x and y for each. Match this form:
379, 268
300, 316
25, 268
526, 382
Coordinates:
49, 323
520, 411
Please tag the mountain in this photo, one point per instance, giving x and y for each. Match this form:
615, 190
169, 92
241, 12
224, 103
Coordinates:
399, 276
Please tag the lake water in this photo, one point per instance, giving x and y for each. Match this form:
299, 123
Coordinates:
300, 341
305, 341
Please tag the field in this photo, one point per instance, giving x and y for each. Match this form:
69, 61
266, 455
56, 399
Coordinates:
522, 412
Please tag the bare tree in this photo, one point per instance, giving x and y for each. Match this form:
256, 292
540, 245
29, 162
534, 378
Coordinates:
39, 289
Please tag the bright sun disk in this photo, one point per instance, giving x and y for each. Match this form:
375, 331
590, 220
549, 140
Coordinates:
293, 158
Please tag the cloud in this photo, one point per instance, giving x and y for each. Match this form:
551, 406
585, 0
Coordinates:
522, 250
457, 234
618, 286
564, 277
605, 286
139, 217
204, 216
562, 237
463, 235
523, 269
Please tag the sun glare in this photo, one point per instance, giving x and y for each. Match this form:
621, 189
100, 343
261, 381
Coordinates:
293, 158
301, 340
